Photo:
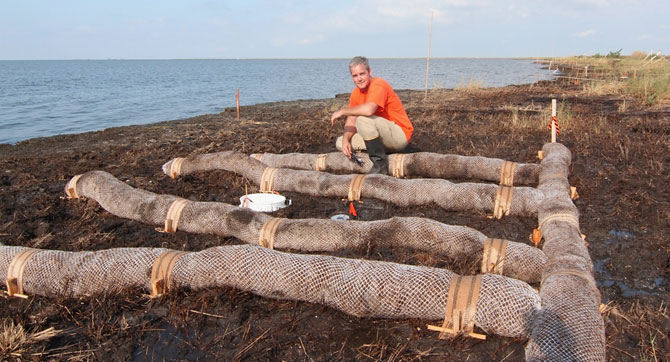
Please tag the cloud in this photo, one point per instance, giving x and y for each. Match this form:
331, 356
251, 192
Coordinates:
587, 33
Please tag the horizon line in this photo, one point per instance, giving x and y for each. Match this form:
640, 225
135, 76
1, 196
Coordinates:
272, 58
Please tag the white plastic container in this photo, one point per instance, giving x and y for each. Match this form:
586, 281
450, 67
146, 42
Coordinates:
264, 202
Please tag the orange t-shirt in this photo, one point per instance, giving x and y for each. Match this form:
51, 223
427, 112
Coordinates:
388, 104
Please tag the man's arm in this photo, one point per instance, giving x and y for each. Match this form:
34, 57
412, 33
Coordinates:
349, 131
365, 109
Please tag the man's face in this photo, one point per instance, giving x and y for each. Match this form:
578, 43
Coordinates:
361, 76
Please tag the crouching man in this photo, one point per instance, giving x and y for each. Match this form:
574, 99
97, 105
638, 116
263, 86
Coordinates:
376, 120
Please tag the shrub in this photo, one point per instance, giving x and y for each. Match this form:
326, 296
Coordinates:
638, 54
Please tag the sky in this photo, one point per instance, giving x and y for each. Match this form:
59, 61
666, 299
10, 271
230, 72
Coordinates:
239, 29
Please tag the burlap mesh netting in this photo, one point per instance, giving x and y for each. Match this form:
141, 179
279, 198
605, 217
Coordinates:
569, 326
401, 192
420, 164
363, 288
562, 322
520, 261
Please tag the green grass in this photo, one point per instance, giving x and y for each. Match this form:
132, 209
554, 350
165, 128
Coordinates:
644, 78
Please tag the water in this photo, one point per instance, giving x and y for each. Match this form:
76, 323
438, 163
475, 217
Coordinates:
45, 98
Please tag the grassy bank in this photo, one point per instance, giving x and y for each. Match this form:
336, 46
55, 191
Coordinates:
645, 77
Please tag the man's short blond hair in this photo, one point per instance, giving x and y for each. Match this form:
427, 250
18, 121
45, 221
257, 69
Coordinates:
358, 60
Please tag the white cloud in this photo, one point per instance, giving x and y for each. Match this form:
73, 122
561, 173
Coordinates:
587, 33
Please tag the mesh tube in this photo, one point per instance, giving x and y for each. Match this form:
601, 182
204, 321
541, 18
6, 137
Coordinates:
520, 261
421, 164
448, 195
569, 326
358, 287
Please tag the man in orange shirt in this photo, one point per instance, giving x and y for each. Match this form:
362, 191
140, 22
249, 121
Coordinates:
376, 120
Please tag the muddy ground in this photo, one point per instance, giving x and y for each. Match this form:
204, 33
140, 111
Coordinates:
621, 162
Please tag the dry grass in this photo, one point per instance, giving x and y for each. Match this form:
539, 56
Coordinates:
14, 339
470, 86
602, 88
646, 78
646, 323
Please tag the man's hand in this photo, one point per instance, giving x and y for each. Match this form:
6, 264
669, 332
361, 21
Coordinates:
335, 116
346, 147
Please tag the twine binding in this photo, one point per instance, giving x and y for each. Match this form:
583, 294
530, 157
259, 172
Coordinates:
161, 272
320, 164
507, 173
494, 256
398, 165
71, 188
569, 218
267, 179
14, 281
356, 187
174, 214
461, 307
266, 237
258, 156
175, 167
503, 201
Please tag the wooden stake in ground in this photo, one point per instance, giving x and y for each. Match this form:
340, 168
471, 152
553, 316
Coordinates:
430, 36
237, 101
553, 121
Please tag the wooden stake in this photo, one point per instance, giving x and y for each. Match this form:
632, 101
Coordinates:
430, 36
237, 100
553, 124
451, 331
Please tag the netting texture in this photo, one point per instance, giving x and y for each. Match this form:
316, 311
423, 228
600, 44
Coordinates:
420, 164
521, 261
401, 192
358, 287
569, 326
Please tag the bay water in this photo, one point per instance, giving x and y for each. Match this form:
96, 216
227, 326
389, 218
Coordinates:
40, 98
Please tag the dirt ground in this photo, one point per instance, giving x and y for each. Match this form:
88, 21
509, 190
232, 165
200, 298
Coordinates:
621, 162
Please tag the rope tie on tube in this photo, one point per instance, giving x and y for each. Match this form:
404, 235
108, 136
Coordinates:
161, 273
503, 202
573, 272
15, 271
175, 167
461, 307
71, 188
554, 176
266, 238
320, 163
258, 156
356, 187
398, 165
267, 179
507, 173
494, 255
174, 214
565, 217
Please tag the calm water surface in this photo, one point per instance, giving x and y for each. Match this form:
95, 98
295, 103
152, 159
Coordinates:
45, 98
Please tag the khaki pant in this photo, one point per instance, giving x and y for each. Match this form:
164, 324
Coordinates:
369, 128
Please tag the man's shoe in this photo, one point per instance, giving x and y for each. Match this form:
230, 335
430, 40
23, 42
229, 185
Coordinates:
377, 154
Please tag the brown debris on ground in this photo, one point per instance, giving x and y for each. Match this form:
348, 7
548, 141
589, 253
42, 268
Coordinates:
620, 165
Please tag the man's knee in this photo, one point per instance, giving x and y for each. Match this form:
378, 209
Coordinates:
366, 127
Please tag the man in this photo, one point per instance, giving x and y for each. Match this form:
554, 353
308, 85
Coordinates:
376, 120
